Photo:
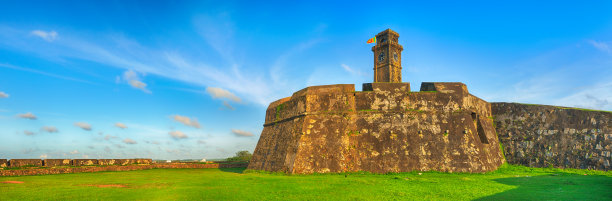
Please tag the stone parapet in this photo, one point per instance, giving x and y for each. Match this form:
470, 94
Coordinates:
25, 162
57, 162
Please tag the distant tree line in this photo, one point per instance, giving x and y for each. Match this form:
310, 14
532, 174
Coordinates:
241, 156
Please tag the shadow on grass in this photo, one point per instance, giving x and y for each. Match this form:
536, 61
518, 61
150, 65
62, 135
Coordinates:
234, 170
556, 186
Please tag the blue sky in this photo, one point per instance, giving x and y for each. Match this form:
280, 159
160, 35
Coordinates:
192, 79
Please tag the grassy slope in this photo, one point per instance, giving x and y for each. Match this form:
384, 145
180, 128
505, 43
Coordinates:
509, 182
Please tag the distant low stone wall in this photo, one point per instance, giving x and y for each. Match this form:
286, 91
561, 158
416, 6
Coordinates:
57, 162
543, 136
25, 162
44, 171
14, 163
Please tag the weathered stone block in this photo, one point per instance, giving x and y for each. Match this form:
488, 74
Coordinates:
108, 162
143, 161
81, 162
387, 87
3, 163
57, 162
445, 87
25, 162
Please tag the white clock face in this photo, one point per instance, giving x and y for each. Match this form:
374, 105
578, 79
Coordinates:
381, 56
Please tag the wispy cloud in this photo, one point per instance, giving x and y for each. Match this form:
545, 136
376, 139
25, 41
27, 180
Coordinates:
177, 135
351, 70
227, 105
129, 141
602, 46
187, 121
134, 80
74, 152
109, 137
124, 53
44, 73
28, 133
3, 95
241, 133
43, 156
83, 125
46, 35
49, 129
598, 97
120, 125
222, 93
559, 77
28, 115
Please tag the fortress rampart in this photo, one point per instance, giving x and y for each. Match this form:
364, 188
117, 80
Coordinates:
384, 128
544, 136
15, 163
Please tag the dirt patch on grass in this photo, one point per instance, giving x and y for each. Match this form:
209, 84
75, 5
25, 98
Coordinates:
13, 182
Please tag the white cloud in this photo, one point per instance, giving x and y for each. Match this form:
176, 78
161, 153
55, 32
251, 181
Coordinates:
124, 53
597, 97
43, 156
177, 135
241, 133
222, 93
134, 80
45, 73
49, 129
28, 115
602, 46
109, 137
120, 125
3, 95
351, 70
48, 36
129, 141
26, 132
83, 125
74, 152
227, 105
187, 121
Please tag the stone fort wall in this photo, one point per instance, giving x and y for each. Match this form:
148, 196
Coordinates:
15, 163
23, 172
544, 136
384, 128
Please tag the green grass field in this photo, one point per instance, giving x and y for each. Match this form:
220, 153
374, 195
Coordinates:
507, 183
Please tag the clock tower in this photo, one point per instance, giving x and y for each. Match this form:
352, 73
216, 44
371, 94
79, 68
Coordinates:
387, 57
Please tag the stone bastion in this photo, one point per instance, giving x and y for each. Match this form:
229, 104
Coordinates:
384, 128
